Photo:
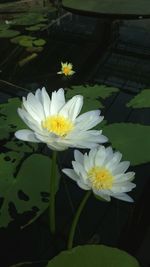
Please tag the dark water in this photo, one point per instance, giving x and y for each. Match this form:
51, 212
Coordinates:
118, 56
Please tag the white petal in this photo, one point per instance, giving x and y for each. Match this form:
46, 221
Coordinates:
83, 186
102, 195
122, 187
78, 168
46, 102
88, 120
57, 101
129, 176
78, 156
124, 197
72, 108
26, 135
29, 121
114, 161
71, 173
100, 156
121, 168
34, 107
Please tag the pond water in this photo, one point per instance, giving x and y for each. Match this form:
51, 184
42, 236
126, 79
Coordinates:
105, 55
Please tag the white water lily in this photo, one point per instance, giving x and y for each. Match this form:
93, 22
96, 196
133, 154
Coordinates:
56, 122
102, 172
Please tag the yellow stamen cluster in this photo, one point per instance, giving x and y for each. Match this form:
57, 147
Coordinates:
100, 178
58, 125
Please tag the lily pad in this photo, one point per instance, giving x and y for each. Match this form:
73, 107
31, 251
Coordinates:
39, 42
9, 119
36, 27
91, 95
109, 7
95, 256
132, 140
29, 19
7, 33
92, 92
28, 192
22, 38
142, 100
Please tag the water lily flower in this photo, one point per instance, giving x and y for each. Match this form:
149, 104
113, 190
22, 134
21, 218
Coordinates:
56, 122
66, 69
102, 172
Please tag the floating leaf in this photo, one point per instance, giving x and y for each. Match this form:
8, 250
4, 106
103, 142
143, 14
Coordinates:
9, 119
91, 95
36, 27
132, 140
39, 42
27, 59
8, 33
92, 92
28, 192
34, 49
126, 7
22, 38
4, 26
20, 146
29, 19
95, 256
142, 100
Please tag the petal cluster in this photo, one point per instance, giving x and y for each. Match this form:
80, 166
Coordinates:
57, 123
66, 69
102, 172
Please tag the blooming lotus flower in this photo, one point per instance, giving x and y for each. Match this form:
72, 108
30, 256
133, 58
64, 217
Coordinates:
56, 122
102, 172
66, 69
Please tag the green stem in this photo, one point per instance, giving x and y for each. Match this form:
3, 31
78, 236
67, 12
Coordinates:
52, 193
76, 219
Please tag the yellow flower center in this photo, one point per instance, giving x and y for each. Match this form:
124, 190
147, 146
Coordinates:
100, 178
57, 125
66, 70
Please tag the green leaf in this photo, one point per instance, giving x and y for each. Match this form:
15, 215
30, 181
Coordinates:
4, 26
19, 38
92, 92
9, 118
132, 140
142, 100
29, 191
36, 27
124, 7
28, 19
8, 163
8, 33
91, 104
20, 146
95, 256
39, 42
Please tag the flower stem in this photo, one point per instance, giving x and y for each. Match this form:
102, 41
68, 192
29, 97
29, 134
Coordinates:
76, 219
52, 193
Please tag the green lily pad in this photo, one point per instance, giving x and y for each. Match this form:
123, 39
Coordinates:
29, 19
8, 33
142, 100
95, 256
28, 192
92, 92
9, 119
4, 27
36, 27
120, 7
22, 38
91, 95
39, 42
20, 146
132, 140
